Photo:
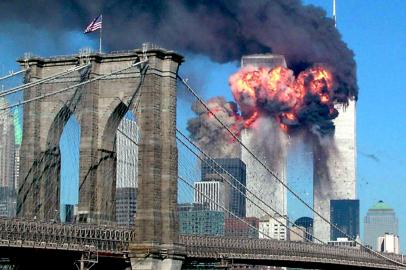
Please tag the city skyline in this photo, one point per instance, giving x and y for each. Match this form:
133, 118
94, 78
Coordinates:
368, 159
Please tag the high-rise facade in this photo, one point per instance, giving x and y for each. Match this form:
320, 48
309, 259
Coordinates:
7, 162
126, 206
344, 214
334, 168
213, 193
236, 168
127, 138
245, 227
272, 152
198, 219
380, 219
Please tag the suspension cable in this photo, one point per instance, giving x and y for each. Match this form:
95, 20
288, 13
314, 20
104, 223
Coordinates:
49, 78
12, 74
73, 86
194, 93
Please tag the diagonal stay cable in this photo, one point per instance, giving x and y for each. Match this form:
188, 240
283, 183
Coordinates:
32, 84
73, 86
297, 196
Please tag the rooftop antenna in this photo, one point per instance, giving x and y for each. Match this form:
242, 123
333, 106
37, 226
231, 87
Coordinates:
334, 13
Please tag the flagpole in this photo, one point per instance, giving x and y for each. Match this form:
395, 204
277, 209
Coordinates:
100, 34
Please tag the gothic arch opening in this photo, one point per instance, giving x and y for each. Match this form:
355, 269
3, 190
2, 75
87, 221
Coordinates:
50, 165
69, 177
117, 172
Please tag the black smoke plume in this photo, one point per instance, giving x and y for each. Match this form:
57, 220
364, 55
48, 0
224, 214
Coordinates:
224, 30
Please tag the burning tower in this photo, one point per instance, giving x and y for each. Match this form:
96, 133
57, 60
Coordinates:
334, 176
272, 151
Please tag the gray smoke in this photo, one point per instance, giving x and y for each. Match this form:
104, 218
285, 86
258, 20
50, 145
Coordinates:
207, 132
224, 30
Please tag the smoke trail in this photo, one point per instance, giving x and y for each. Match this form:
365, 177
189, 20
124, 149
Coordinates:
224, 30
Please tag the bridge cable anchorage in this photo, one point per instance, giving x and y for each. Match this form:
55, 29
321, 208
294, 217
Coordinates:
239, 190
49, 78
222, 207
72, 86
200, 99
12, 74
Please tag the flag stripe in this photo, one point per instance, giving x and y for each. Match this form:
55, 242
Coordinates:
94, 25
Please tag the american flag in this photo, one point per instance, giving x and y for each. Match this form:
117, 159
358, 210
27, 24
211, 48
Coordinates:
94, 25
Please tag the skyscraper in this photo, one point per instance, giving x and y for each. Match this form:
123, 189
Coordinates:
7, 162
334, 160
380, 219
126, 206
18, 132
127, 138
345, 215
272, 152
237, 169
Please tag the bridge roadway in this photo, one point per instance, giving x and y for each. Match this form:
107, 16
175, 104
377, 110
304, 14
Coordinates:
18, 235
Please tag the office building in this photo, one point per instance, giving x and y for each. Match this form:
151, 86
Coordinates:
388, 243
198, 219
380, 219
8, 196
302, 230
344, 214
126, 206
214, 193
272, 152
244, 227
343, 242
273, 227
127, 138
8, 202
237, 169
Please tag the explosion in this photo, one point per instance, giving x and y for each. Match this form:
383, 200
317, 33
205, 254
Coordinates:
304, 101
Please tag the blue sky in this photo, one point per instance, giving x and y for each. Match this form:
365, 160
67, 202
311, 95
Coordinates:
374, 30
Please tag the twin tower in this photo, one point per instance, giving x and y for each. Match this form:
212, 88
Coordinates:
334, 175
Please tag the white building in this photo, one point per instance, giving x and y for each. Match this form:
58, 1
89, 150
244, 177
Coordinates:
214, 193
127, 138
272, 152
344, 242
388, 243
334, 173
273, 227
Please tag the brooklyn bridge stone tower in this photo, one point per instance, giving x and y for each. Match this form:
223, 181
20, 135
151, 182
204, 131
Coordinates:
149, 90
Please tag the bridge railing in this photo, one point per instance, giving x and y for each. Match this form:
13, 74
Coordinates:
79, 237
265, 248
68, 236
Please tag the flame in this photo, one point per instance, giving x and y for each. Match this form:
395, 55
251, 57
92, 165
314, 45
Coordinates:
251, 120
